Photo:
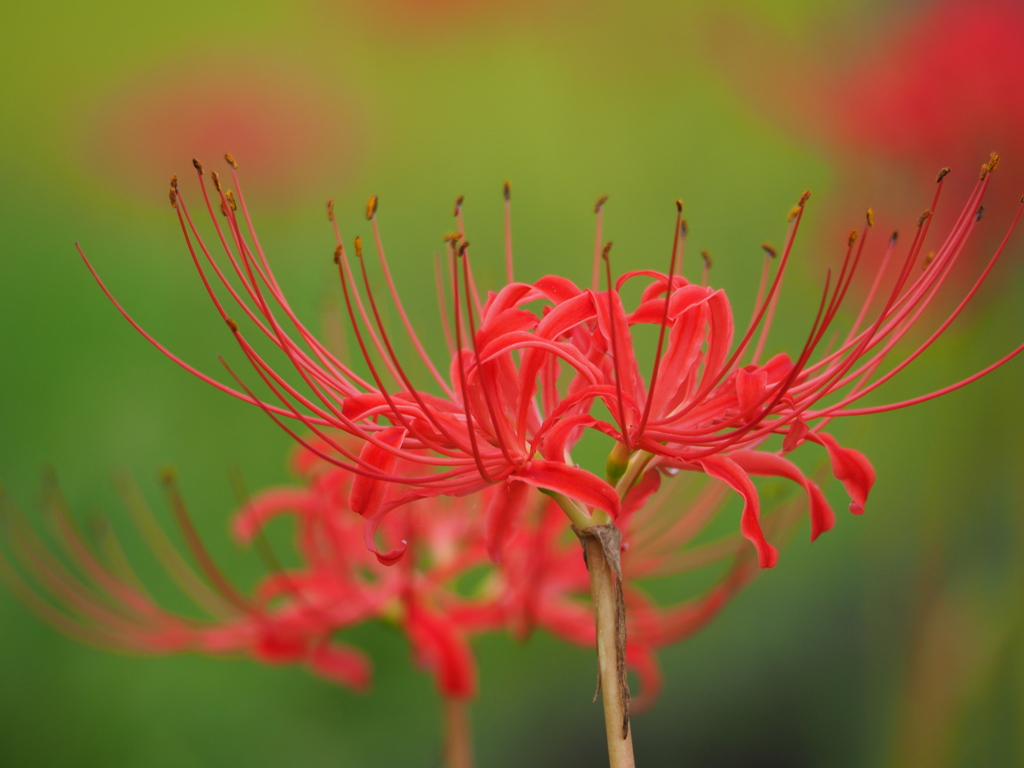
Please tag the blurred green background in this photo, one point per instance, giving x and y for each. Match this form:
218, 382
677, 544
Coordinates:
896, 639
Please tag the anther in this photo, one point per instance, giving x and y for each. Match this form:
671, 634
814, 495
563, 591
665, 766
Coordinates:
707, 259
371, 207
793, 213
337, 254
607, 250
168, 475
231, 200
927, 260
683, 227
463, 247
198, 165
223, 209
993, 162
600, 203
894, 238
979, 212
805, 197
173, 194
359, 247
871, 217
769, 250
853, 237
679, 205
942, 174
458, 205
508, 191
232, 325
174, 181
924, 217
452, 238
216, 180
230, 159
330, 210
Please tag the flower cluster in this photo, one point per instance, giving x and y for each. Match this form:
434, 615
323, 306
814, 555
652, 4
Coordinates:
531, 362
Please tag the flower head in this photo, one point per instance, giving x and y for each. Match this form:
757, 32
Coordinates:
523, 382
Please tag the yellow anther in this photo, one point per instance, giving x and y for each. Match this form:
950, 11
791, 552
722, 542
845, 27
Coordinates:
928, 260
231, 200
198, 165
230, 159
371, 207
359, 247
600, 203
871, 217
793, 213
173, 194
923, 218
174, 181
853, 237
805, 197
942, 174
993, 161
216, 180
338, 252
330, 210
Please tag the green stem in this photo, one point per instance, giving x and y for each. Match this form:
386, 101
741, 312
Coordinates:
636, 466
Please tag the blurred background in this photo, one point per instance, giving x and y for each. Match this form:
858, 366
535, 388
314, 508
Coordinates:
895, 640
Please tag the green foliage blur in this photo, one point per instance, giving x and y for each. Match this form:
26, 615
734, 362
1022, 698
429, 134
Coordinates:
896, 639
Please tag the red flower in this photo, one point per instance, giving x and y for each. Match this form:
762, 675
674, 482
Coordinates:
293, 614
523, 382
484, 425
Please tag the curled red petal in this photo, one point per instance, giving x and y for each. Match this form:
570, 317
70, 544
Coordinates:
578, 484
771, 465
503, 516
342, 664
255, 514
729, 471
850, 467
367, 493
440, 648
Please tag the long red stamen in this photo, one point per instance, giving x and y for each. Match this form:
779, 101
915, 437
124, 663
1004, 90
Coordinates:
678, 236
606, 257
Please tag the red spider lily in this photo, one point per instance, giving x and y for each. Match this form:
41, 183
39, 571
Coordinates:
710, 405
485, 425
292, 616
508, 415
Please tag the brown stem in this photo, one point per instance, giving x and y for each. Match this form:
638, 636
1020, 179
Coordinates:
458, 742
609, 618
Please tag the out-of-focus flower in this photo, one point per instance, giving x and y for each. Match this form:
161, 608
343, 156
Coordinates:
292, 127
87, 588
918, 86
